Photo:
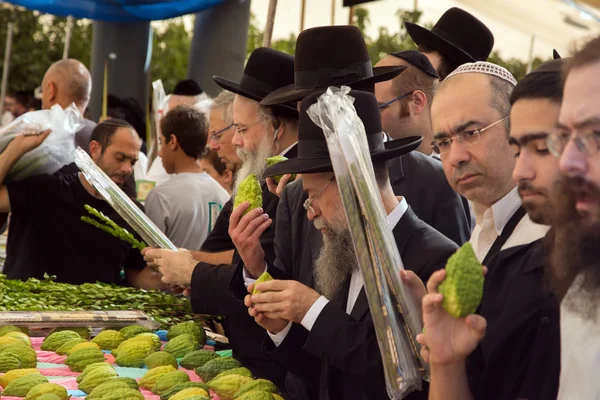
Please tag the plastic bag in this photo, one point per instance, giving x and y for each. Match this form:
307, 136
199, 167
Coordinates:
55, 152
395, 315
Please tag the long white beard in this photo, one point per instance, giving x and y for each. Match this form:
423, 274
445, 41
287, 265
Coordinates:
253, 162
336, 260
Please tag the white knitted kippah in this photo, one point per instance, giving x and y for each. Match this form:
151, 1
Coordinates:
484, 67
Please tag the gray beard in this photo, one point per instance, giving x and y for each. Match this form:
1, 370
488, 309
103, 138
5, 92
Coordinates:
334, 264
253, 162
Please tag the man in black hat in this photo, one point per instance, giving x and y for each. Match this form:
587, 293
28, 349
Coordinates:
336, 55
405, 101
405, 105
457, 38
519, 356
260, 132
318, 320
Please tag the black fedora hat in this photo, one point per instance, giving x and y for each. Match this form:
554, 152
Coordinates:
266, 70
330, 56
458, 36
313, 154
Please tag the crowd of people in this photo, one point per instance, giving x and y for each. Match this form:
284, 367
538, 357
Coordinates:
461, 152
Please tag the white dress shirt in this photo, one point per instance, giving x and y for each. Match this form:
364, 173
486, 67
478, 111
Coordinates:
490, 223
580, 348
356, 284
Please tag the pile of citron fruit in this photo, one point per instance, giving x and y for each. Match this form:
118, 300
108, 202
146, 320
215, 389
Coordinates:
132, 346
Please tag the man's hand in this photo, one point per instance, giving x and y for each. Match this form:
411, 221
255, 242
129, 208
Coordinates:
274, 326
29, 141
245, 232
176, 266
277, 189
287, 300
447, 340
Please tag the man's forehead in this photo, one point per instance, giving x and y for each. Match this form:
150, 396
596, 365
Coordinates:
244, 108
581, 98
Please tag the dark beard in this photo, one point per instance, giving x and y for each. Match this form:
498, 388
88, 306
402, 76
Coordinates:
334, 264
574, 247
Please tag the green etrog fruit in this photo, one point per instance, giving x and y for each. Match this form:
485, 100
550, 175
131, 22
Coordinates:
263, 278
276, 160
250, 191
463, 286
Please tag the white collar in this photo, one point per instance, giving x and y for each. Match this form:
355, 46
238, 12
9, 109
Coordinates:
283, 153
394, 217
502, 210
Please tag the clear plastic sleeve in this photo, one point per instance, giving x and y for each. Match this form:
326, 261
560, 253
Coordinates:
55, 152
54, 319
396, 317
121, 203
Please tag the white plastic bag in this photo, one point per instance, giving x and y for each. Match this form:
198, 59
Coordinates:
55, 152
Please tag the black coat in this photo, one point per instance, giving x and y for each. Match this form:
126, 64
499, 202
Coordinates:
421, 180
341, 347
210, 293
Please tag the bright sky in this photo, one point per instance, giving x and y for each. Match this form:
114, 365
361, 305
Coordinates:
513, 22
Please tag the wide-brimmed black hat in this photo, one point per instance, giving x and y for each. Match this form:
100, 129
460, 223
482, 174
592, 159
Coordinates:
266, 70
458, 36
313, 154
330, 56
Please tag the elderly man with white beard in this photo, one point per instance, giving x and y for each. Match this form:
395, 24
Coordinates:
260, 132
316, 312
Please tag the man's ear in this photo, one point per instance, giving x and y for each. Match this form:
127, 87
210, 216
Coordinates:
227, 176
52, 92
95, 149
418, 101
172, 143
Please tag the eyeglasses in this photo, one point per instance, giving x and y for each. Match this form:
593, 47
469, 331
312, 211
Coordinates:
387, 104
217, 135
240, 130
308, 202
444, 144
587, 141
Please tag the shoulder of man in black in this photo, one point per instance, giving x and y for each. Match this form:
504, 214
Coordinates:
423, 249
520, 355
421, 180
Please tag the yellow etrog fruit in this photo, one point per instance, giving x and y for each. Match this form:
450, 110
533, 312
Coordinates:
250, 191
275, 160
263, 278
463, 286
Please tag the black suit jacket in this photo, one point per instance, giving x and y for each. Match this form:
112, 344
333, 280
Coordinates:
341, 347
210, 292
421, 180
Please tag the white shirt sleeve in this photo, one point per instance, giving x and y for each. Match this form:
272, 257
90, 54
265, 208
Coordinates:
278, 338
313, 313
248, 279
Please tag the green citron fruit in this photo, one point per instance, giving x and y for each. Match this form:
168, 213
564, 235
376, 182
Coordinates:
189, 327
276, 160
152, 376
188, 393
180, 386
227, 386
22, 385
260, 385
167, 381
109, 339
134, 330
197, 358
180, 345
250, 191
160, 359
263, 278
54, 340
463, 286
47, 388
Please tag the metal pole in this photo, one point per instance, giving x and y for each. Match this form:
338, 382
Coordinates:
416, 5
531, 45
351, 16
332, 12
6, 68
270, 23
68, 34
302, 12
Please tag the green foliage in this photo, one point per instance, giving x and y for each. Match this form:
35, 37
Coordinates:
171, 46
38, 41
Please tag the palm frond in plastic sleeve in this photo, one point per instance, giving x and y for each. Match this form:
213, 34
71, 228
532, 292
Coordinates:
121, 203
396, 317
